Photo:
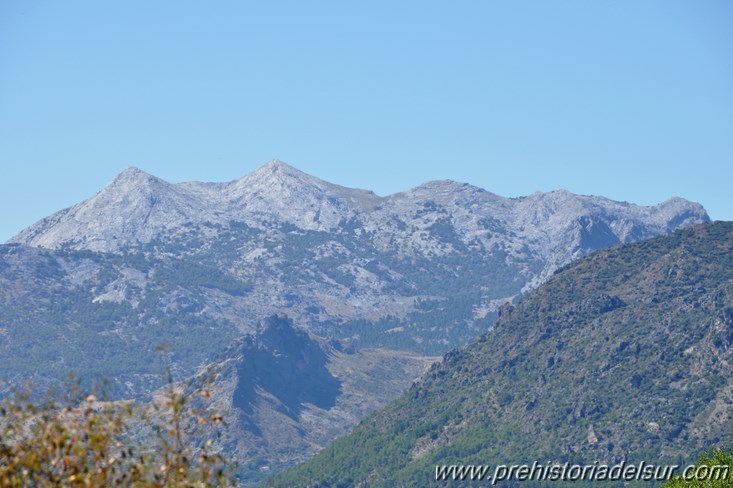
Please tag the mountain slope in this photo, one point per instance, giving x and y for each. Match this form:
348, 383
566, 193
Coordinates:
286, 394
103, 315
424, 270
624, 355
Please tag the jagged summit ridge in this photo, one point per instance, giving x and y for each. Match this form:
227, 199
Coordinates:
133, 173
275, 174
136, 207
277, 190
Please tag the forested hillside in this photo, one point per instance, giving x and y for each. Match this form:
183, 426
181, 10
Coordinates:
624, 355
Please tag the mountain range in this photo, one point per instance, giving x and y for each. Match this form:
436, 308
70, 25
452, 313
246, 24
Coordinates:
373, 288
425, 269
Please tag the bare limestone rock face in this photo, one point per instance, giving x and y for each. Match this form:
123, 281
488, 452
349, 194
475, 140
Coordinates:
430, 266
137, 207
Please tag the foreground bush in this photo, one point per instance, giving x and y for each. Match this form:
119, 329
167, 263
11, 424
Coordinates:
78, 440
716, 458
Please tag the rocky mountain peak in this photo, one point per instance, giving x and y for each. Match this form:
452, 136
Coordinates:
445, 186
289, 364
680, 212
277, 175
453, 194
279, 334
277, 165
281, 170
133, 173
132, 184
134, 207
279, 192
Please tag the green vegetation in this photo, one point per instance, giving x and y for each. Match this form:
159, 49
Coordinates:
704, 466
624, 355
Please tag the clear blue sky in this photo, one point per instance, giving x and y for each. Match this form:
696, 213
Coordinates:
628, 99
